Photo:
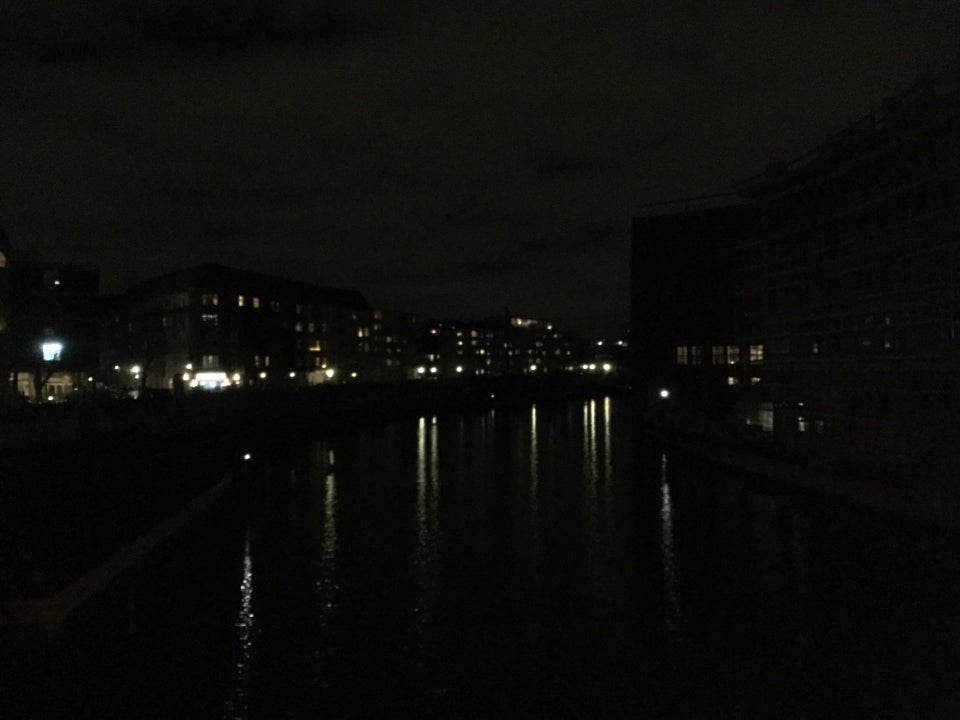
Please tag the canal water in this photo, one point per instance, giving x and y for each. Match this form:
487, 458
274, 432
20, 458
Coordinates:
535, 562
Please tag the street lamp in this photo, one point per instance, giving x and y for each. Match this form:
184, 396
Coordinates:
51, 351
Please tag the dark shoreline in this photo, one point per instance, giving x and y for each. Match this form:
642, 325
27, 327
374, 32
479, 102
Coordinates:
918, 492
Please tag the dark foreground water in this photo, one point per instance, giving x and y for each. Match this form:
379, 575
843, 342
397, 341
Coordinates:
526, 563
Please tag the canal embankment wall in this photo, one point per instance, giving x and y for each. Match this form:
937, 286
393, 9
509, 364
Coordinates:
922, 488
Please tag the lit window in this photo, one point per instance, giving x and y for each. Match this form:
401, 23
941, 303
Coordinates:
209, 299
815, 348
754, 380
298, 326
266, 361
696, 355
311, 327
719, 355
683, 355
256, 302
733, 354
240, 301
756, 354
256, 361
315, 346
206, 318
275, 305
210, 361
299, 308
733, 381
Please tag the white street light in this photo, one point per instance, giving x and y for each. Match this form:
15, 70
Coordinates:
51, 351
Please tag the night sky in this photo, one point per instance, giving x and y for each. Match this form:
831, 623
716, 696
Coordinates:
445, 158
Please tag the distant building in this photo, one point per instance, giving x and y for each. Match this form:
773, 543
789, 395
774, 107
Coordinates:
500, 345
818, 308
213, 326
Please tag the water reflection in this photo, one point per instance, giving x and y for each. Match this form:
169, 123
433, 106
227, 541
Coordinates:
607, 464
246, 630
534, 470
428, 522
531, 554
327, 584
590, 473
666, 548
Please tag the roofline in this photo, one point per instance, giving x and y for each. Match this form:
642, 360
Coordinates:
358, 298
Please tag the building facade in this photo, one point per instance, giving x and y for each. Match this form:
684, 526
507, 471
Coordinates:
818, 306
499, 346
213, 327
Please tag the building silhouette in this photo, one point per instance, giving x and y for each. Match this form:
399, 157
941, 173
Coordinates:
816, 308
216, 326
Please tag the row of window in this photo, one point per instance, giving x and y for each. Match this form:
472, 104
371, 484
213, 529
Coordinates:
213, 319
213, 300
720, 354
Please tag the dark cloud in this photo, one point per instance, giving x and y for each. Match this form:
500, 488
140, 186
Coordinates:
228, 230
550, 164
599, 234
488, 268
588, 238
226, 195
506, 221
101, 29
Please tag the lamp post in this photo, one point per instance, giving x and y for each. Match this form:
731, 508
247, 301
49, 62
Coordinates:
50, 352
